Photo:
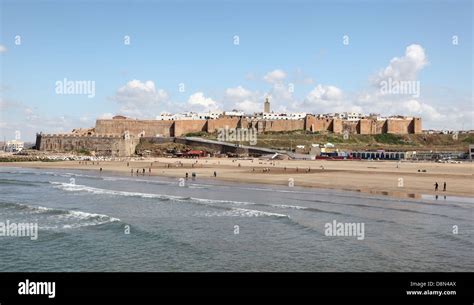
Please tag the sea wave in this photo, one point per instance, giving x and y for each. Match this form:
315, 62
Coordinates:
238, 212
61, 218
70, 187
100, 191
213, 203
288, 206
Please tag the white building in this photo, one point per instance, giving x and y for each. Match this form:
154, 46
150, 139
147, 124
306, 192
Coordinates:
350, 116
353, 116
14, 146
283, 115
189, 116
234, 113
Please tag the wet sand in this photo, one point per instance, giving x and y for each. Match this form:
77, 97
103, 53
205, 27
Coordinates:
378, 177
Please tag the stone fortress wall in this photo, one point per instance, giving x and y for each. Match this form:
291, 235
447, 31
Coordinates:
179, 128
120, 135
103, 145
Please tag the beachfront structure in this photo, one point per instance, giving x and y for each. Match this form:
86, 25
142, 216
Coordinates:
382, 155
120, 135
471, 152
14, 146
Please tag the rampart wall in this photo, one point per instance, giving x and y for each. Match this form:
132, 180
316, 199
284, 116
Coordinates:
109, 137
364, 126
104, 145
150, 128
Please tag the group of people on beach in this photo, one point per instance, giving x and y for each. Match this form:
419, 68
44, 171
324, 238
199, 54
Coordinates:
265, 170
436, 186
138, 171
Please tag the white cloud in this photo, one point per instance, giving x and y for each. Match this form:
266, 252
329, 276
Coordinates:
275, 76
3, 49
324, 94
238, 92
249, 107
417, 108
198, 102
140, 99
139, 92
243, 99
404, 68
328, 99
407, 68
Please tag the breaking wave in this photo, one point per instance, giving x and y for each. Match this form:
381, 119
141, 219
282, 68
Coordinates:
213, 203
59, 218
238, 212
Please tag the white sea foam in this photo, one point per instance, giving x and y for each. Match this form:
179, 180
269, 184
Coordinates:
64, 218
203, 200
287, 206
209, 202
78, 188
238, 212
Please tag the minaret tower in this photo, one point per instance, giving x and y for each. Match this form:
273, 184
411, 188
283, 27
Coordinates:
266, 106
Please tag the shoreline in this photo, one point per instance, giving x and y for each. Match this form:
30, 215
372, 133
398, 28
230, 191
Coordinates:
389, 178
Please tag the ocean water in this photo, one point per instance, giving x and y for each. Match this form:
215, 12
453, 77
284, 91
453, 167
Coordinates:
84, 217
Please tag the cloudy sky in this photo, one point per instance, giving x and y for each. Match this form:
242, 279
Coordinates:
146, 57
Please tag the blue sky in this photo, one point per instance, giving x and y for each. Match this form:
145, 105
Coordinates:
282, 45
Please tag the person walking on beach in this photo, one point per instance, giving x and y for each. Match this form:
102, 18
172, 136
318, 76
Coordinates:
137, 171
215, 174
100, 170
436, 186
143, 172
186, 176
131, 172
444, 186
149, 171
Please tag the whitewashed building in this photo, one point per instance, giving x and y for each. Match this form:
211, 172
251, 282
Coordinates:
14, 146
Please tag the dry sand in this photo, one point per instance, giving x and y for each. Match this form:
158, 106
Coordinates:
380, 177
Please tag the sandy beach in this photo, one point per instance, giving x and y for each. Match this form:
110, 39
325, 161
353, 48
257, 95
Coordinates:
407, 179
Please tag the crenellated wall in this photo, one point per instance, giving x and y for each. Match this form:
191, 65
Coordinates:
400, 126
364, 126
150, 128
279, 125
318, 124
119, 136
104, 145
223, 122
186, 126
